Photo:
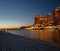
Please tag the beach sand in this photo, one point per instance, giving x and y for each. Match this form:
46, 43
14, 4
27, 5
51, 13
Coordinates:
11, 42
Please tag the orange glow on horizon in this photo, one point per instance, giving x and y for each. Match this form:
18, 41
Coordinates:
16, 26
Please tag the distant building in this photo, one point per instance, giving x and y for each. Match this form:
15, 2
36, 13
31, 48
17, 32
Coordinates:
42, 19
56, 15
50, 18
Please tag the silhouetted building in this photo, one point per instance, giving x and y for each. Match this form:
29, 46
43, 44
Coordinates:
56, 15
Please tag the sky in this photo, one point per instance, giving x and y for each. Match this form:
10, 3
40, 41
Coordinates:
17, 13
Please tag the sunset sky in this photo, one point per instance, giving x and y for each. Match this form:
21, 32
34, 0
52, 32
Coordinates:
22, 12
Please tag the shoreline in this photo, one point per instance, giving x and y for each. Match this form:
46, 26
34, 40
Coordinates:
14, 42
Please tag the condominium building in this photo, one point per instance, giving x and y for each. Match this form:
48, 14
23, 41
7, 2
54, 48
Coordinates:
42, 19
56, 15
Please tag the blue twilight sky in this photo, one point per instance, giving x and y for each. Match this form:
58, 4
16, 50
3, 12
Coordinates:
22, 12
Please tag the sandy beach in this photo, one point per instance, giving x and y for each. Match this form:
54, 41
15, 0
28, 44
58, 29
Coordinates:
11, 42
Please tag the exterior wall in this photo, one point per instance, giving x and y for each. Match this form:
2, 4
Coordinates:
56, 15
40, 19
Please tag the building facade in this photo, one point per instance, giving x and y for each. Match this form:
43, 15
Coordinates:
42, 19
56, 15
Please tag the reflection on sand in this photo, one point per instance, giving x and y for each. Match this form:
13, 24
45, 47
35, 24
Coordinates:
48, 34
51, 35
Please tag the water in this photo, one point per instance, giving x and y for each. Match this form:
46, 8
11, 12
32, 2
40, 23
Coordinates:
46, 34
25, 33
9, 42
